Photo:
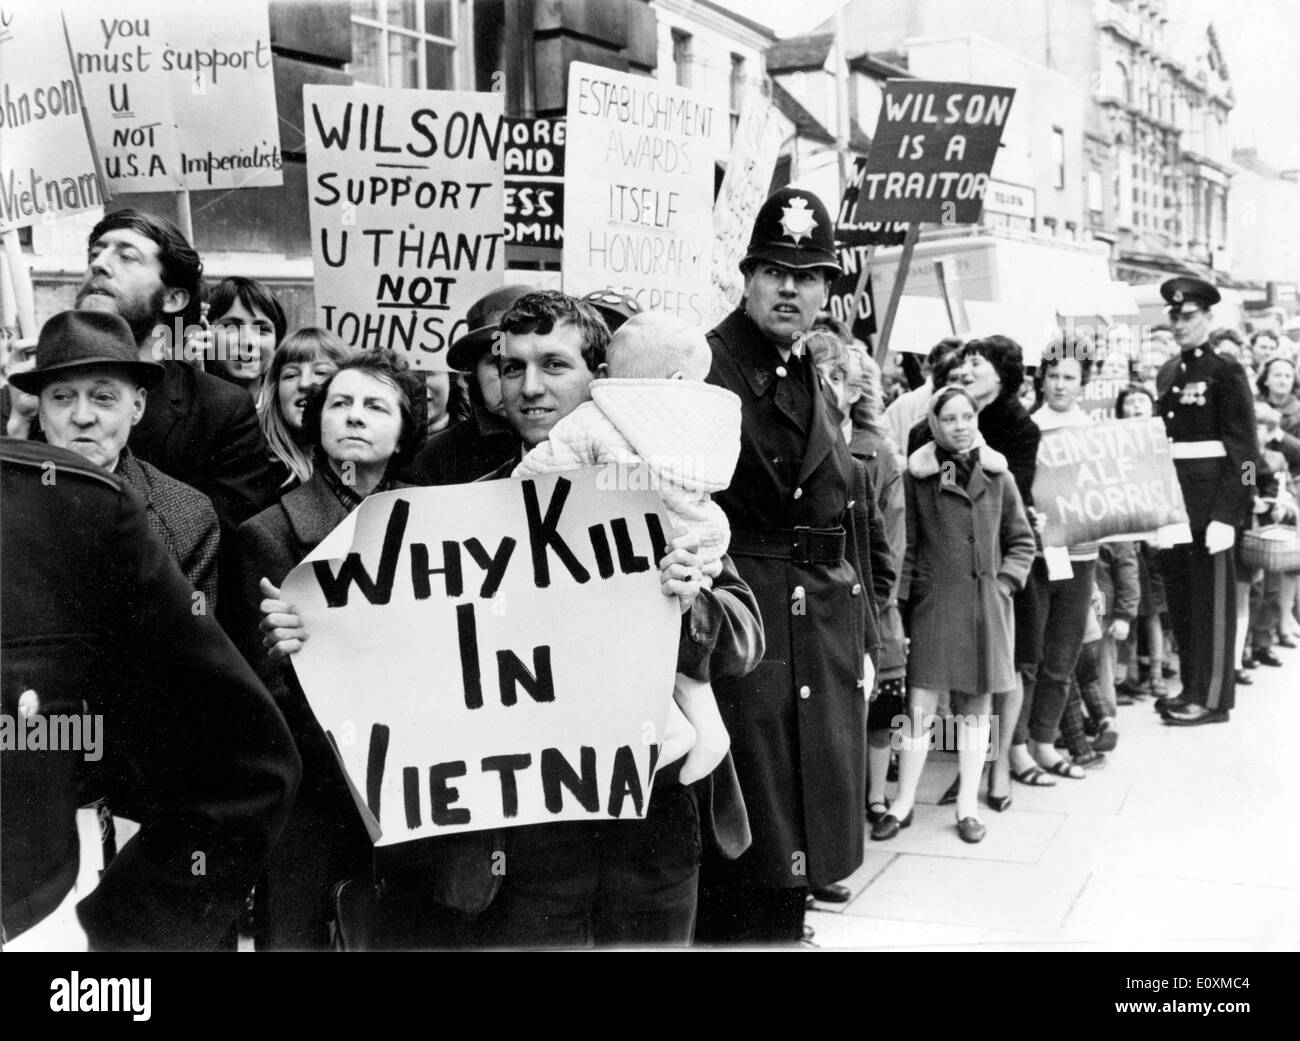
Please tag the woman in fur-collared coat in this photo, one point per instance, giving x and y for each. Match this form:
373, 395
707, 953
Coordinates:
969, 550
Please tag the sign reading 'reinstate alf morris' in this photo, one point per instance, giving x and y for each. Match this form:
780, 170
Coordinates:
934, 147
1108, 480
404, 188
493, 654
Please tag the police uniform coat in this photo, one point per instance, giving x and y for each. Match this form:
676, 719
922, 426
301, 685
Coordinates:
798, 721
96, 616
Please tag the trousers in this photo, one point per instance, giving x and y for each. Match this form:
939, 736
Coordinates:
1201, 591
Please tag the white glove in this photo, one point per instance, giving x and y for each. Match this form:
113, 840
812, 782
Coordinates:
1219, 536
868, 677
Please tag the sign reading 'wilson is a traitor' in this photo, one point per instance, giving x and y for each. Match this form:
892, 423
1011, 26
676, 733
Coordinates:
494, 654
1108, 480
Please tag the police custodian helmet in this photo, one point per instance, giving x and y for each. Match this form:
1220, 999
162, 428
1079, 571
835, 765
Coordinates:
793, 229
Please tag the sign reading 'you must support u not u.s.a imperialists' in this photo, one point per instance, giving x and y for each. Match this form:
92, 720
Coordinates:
181, 93
47, 169
494, 654
1108, 480
934, 147
639, 190
405, 193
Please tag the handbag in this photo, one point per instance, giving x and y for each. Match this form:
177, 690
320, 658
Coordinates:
1273, 547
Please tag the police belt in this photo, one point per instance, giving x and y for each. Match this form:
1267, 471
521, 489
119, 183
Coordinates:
1198, 450
797, 545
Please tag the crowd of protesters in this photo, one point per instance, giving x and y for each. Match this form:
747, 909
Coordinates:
858, 563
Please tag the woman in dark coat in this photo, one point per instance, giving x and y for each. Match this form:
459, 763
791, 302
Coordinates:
969, 551
361, 420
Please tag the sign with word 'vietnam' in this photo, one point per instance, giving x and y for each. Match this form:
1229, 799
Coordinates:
404, 188
181, 94
47, 169
1109, 480
742, 194
494, 654
639, 191
934, 147
534, 187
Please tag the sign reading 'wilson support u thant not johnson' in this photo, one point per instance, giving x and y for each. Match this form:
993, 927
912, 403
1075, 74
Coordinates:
934, 147
494, 654
405, 195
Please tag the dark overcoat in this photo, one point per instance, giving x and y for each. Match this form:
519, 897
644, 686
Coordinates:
960, 541
798, 721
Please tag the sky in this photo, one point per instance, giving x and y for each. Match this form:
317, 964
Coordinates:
1265, 74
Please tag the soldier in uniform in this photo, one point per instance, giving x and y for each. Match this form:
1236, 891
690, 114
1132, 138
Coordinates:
97, 621
798, 721
1209, 413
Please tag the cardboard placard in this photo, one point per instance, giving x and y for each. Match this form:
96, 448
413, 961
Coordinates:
742, 194
932, 151
639, 210
534, 182
1107, 480
493, 654
406, 201
47, 169
181, 94
851, 230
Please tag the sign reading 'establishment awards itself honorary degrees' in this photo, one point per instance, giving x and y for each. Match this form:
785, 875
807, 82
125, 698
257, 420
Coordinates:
493, 654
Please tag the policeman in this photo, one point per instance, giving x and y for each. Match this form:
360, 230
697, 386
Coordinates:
798, 721
100, 636
1209, 413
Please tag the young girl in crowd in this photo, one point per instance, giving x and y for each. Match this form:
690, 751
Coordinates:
359, 422
652, 407
246, 322
969, 550
303, 361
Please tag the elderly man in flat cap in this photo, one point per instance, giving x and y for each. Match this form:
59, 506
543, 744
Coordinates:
1209, 413
91, 386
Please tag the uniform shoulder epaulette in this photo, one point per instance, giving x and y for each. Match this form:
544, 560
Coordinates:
36, 454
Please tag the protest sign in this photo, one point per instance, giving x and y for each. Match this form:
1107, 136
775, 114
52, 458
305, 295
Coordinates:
1099, 395
639, 212
1108, 480
47, 169
494, 654
932, 152
181, 95
406, 203
741, 196
851, 230
534, 182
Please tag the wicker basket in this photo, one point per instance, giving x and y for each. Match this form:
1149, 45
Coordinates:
1274, 547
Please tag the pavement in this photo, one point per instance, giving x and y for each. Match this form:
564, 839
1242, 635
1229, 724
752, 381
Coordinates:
1188, 838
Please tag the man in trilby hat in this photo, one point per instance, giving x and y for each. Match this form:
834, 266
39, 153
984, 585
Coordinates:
1209, 413
798, 721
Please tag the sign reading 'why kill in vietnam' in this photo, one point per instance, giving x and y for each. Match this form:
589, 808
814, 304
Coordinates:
932, 152
639, 205
1108, 480
491, 655
534, 188
46, 165
180, 94
405, 195
742, 194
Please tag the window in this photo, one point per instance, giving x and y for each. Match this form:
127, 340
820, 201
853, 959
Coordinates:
408, 43
1058, 156
1096, 202
682, 57
737, 89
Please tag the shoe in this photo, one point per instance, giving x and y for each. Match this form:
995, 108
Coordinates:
1286, 641
971, 830
808, 939
1266, 657
950, 796
1132, 691
1123, 698
888, 826
1243, 678
1090, 760
1106, 740
1065, 768
1248, 661
833, 894
1156, 687
1168, 671
1195, 716
1001, 803
1034, 777
873, 814
1164, 704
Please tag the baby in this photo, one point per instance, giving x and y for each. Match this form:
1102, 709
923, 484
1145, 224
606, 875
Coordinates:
651, 408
